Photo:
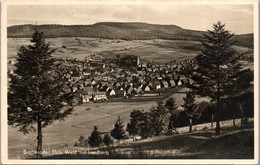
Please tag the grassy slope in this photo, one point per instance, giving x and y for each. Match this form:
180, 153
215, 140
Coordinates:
81, 122
149, 50
231, 144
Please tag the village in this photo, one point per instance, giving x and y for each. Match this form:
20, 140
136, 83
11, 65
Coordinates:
97, 81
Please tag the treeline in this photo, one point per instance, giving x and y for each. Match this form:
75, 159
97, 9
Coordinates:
126, 60
124, 31
165, 119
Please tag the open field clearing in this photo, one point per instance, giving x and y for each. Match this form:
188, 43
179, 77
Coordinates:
84, 118
157, 50
81, 122
233, 143
150, 50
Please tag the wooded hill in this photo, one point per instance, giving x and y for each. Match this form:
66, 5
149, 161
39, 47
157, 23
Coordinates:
117, 30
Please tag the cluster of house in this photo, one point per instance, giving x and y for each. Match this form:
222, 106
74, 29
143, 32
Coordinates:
97, 81
101, 80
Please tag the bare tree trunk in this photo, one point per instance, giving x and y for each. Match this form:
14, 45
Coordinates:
217, 114
234, 120
212, 120
242, 115
39, 138
190, 124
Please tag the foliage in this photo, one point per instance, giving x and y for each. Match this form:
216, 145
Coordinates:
118, 132
174, 113
133, 126
95, 139
145, 125
159, 119
189, 104
107, 140
36, 89
216, 66
82, 142
171, 105
126, 60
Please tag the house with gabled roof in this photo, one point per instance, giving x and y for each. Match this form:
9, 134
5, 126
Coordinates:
184, 81
175, 77
164, 84
97, 96
67, 89
120, 93
128, 90
139, 88
87, 82
158, 76
116, 84
74, 88
163, 76
190, 81
104, 88
179, 82
171, 83
145, 88
156, 85
89, 91
110, 92
84, 97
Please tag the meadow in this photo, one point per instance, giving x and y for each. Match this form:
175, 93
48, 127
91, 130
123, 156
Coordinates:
158, 51
148, 50
81, 122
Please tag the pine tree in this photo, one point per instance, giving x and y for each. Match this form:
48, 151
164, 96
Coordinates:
95, 139
145, 125
215, 67
107, 140
189, 107
118, 132
240, 81
172, 107
133, 126
36, 89
159, 119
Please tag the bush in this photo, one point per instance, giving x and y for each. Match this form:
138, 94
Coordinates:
133, 126
82, 142
107, 140
95, 139
118, 132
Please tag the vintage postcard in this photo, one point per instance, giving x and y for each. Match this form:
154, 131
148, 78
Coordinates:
129, 82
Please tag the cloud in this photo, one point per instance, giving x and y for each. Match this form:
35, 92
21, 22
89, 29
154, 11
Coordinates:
239, 18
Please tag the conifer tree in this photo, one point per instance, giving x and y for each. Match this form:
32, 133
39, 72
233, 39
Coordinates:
145, 125
95, 138
159, 119
172, 107
215, 68
189, 107
133, 126
118, 132
107, 140
36, 93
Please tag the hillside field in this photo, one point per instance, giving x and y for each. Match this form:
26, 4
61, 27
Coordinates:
81, 122
149, 50
156, 50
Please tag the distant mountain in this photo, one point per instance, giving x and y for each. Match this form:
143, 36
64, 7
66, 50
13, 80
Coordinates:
117, 30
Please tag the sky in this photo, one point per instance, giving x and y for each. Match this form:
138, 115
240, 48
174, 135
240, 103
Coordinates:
238, 18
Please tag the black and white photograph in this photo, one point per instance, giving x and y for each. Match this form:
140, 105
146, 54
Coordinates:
86, 81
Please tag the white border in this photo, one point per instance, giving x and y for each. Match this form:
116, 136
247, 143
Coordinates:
4, 139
